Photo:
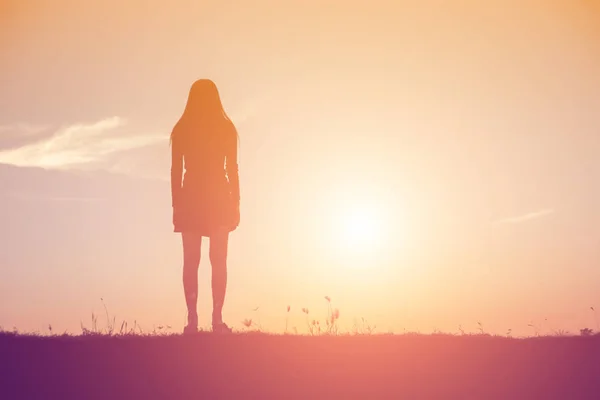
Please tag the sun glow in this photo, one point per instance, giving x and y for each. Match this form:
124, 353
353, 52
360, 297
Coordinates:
360, 222
359, 229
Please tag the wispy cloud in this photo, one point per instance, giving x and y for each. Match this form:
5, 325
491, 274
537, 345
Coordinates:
78, 145
58, 198
525, 217
22, 129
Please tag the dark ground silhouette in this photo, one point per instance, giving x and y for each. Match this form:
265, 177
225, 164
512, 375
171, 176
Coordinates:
258, 366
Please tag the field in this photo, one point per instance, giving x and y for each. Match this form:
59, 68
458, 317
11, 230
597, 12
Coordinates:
262, 366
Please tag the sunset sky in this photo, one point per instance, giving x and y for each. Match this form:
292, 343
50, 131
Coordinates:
427, 165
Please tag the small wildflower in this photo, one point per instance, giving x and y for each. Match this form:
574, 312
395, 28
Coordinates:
305, 310
336, 313
586, 332
328, 299
247, 322
288, 308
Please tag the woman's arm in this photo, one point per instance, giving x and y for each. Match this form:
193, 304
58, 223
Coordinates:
176, 173
231, 165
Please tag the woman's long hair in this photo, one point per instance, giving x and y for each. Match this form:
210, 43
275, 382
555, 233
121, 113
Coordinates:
203, 114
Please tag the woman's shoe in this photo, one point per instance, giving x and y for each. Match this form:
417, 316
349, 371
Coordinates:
221, 327
190, 330
192, 325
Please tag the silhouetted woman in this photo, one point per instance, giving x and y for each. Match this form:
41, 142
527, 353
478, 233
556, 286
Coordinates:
206, 201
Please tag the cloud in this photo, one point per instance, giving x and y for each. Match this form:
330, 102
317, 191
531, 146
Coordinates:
57, 198
22, 129
78, 145
525, 217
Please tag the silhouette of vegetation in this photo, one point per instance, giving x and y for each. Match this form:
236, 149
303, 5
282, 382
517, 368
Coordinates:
117, 360
128, 364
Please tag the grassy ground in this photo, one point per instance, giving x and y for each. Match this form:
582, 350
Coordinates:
261, 366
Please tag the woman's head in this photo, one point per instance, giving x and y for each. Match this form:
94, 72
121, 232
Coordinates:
203, 108
204, 101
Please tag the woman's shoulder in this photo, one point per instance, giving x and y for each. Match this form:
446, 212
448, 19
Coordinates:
230, 126
231, 130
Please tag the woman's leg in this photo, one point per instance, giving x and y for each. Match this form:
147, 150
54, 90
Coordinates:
218, 261
192, 243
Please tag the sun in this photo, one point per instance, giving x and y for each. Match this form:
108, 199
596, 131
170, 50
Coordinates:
360, 229
361, 226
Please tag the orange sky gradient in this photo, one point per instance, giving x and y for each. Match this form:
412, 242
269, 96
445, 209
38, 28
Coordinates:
466, 132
